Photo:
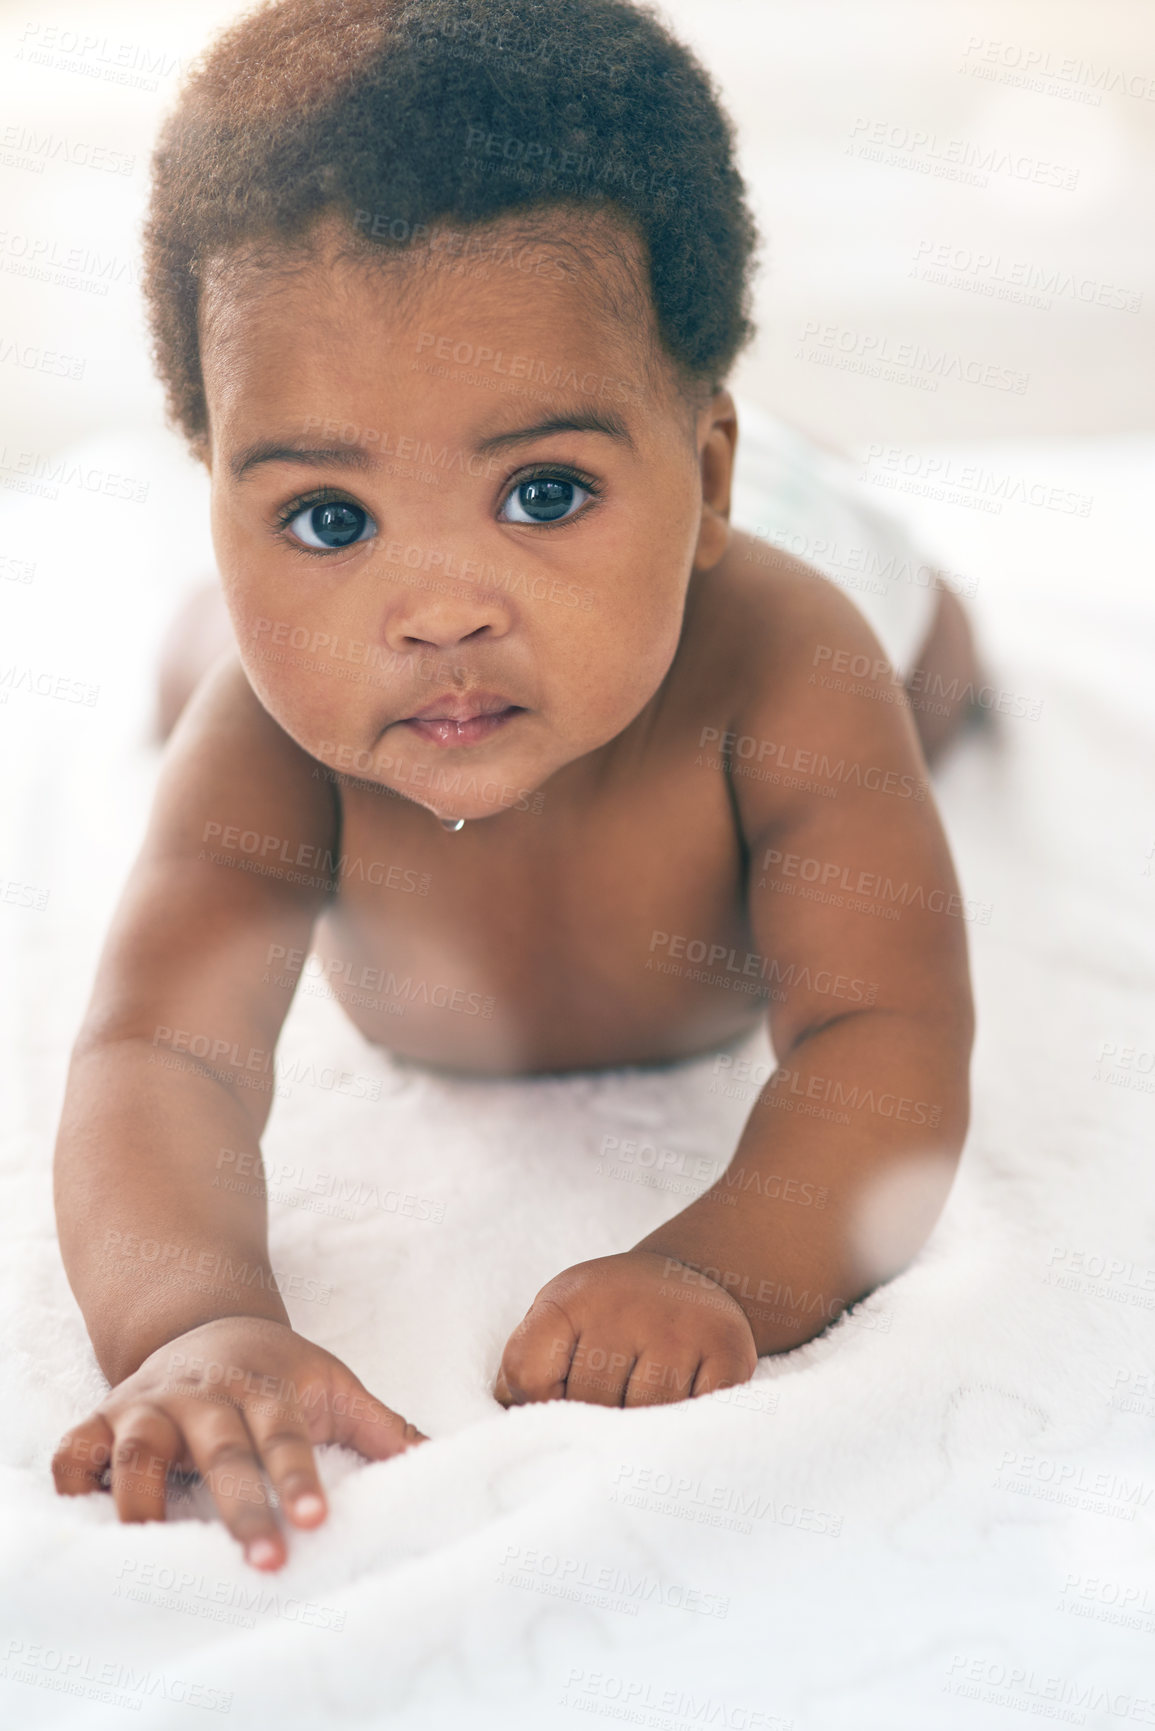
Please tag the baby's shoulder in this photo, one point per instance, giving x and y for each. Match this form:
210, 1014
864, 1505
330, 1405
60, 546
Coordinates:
768, 623
794, 743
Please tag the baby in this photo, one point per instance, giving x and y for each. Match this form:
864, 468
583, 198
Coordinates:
445, 297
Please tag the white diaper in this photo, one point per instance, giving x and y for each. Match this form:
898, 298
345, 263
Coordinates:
810, 503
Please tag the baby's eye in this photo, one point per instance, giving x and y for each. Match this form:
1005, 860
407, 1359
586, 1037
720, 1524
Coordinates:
336, 523
544, 499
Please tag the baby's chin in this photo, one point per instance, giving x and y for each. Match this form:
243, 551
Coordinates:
472, 786
471, 790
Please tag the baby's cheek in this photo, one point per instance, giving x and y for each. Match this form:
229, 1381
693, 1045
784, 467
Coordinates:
644, 650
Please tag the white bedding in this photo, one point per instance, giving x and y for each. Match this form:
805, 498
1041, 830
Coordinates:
939, 1515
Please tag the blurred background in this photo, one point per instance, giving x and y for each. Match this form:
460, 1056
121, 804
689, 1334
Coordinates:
955, 201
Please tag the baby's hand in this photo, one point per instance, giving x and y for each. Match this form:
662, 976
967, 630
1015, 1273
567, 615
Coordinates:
226, 1400
629, 1330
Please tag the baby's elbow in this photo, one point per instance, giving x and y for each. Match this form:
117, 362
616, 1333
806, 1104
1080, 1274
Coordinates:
899, 1206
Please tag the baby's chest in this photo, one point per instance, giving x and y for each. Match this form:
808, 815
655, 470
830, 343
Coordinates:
602, 936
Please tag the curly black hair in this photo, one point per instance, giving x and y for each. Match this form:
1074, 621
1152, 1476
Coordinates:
405, 114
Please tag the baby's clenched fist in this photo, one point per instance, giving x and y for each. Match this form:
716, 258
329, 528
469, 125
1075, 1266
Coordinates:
631, 1330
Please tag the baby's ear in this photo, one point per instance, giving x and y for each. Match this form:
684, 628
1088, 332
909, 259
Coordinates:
717, 464
713, 537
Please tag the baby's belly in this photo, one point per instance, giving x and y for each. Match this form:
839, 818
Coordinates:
596, 1010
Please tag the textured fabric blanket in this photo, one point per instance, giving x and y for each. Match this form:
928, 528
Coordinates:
939, 1514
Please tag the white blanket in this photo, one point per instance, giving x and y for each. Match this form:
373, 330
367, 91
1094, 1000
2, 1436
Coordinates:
941, 1511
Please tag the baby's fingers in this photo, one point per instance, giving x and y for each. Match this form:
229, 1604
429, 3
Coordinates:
147, 1443
222, 1452
726, 1367
282, 1441
662, 1376
536, 1362
360, 1422
81, 1460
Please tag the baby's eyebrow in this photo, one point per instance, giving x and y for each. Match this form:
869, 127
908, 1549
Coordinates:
581, 421
270, 451
357, 457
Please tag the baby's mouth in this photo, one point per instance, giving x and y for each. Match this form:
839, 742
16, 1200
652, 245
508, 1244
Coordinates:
454, 720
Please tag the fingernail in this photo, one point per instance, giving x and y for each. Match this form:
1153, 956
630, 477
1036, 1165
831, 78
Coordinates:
263, 1553
308, 1507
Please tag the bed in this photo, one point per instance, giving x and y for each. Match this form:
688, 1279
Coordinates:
939, 1513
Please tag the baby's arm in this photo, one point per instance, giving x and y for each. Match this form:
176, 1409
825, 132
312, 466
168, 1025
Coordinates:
850, 1148
171, 1269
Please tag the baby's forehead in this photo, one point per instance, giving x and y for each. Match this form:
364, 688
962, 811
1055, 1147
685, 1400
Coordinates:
542, 286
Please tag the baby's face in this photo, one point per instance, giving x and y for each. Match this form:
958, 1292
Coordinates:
454, 521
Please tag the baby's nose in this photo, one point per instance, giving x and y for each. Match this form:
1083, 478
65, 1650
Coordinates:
442, 606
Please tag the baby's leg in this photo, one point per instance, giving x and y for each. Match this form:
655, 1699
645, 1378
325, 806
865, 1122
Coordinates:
199, 631
937, 683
